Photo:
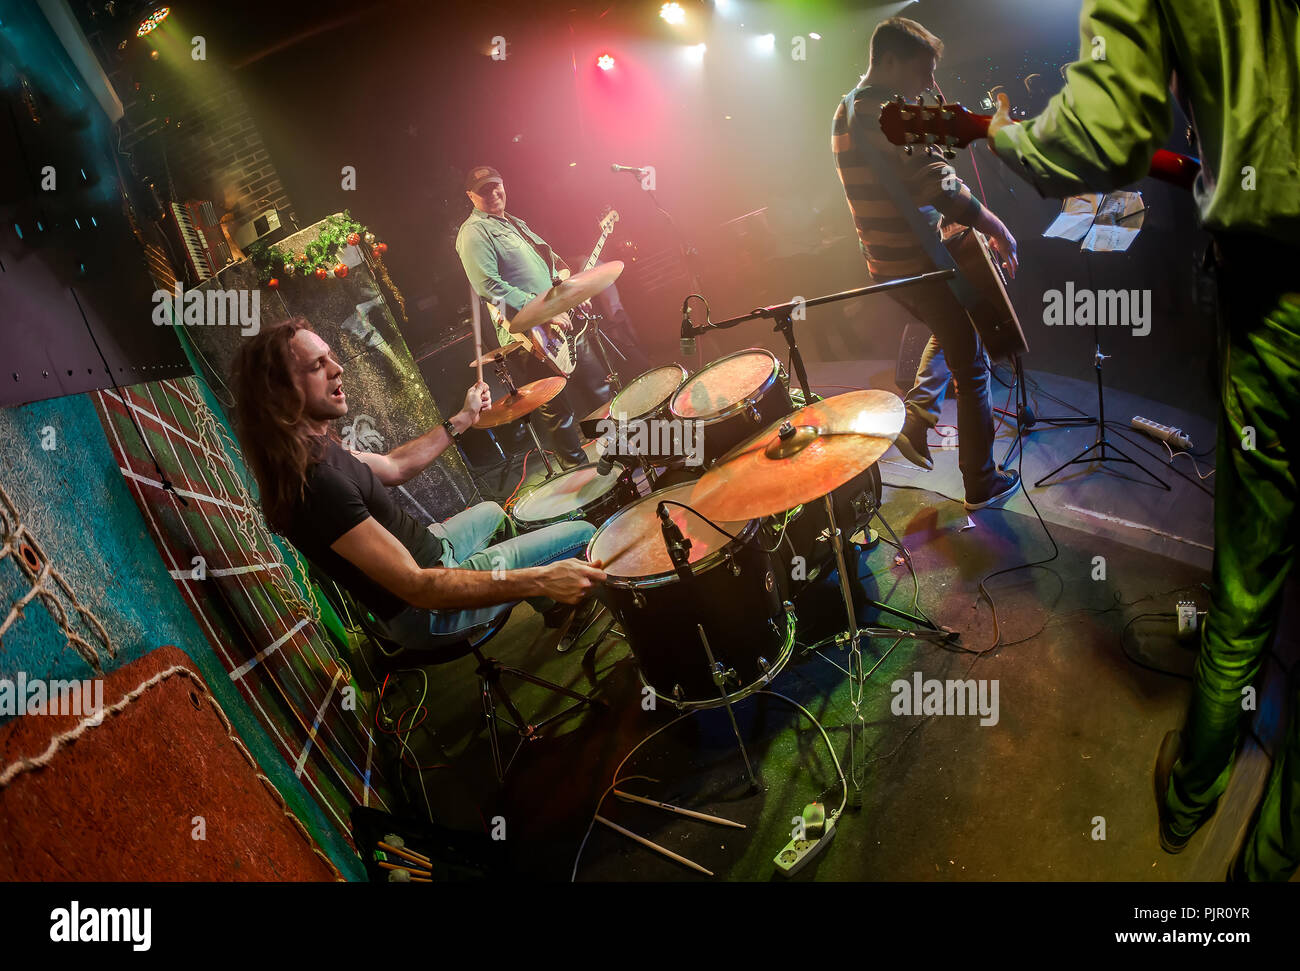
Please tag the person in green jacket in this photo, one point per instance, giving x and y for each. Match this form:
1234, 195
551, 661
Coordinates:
1234, 69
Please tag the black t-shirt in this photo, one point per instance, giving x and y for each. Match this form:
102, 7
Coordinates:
342, 492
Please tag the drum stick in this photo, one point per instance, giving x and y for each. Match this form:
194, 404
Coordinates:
405, 854
654, 846
477, 311
678, 809
624, 551
412, 871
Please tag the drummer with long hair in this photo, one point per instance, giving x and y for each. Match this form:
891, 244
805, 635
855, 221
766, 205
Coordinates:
333, 504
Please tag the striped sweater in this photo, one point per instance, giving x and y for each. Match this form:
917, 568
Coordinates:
890, 248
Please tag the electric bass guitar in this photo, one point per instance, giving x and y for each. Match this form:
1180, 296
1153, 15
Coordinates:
559, 351
950, 126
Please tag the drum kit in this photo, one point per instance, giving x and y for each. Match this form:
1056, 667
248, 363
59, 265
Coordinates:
694, 581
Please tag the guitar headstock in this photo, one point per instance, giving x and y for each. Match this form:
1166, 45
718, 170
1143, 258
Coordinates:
607, 219
947, 126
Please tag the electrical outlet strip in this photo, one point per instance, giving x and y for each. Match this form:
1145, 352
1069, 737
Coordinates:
798, 853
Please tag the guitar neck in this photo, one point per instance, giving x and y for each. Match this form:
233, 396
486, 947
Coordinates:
595, 253
1167, 166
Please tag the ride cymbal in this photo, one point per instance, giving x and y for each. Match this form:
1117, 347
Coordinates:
804, 456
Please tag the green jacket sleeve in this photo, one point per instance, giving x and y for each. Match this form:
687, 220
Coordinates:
1101, 130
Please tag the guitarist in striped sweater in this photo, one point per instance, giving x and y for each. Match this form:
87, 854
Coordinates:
903, 59
507, 265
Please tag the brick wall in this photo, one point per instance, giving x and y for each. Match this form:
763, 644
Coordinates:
189, 130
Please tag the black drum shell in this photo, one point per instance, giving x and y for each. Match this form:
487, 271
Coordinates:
722, 434
743, 617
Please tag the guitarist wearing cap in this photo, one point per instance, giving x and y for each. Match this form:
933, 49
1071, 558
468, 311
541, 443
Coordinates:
904, 56
1236, 71
508, 265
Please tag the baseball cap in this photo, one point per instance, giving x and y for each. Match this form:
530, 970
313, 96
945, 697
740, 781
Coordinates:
480, 176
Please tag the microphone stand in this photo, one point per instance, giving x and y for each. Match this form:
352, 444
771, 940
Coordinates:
685, 250
783, 315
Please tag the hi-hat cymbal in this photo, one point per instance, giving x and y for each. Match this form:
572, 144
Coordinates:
525, 401
497, 352
577, 289
802, 457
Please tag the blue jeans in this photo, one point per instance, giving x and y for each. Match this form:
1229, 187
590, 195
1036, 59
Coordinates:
954, 350
464, 543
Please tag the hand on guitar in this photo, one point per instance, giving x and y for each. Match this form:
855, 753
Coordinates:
561, 326
1001, 118
1004, 244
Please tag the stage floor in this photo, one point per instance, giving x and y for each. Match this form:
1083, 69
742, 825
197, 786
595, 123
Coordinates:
1087, 687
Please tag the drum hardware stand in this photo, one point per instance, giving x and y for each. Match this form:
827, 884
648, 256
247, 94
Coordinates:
603, 344
503, 372
721, 676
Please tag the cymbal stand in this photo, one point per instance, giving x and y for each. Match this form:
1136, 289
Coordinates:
503, 372
602, 343
720, 677
784, 316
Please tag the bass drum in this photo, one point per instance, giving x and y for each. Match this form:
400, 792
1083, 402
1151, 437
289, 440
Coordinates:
731, 592
581, 493
733, 398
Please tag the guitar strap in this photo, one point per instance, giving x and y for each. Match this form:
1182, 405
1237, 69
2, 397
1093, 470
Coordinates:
544, 250
961, 287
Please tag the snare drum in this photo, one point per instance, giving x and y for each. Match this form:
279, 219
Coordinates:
579, 493
732, 592
734, 397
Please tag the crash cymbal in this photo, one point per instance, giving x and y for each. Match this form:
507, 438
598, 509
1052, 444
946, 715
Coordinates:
498, 352
528, 399
802, 457
577, 289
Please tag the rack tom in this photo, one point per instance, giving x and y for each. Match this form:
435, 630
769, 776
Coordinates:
733, 398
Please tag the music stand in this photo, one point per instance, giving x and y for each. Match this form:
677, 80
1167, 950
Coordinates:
1101, 443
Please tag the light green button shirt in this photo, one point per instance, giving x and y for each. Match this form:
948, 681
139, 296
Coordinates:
1236, 71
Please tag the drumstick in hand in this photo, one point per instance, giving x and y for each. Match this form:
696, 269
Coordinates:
476, 314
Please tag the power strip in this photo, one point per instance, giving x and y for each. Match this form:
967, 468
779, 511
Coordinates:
798, 853
1176, 437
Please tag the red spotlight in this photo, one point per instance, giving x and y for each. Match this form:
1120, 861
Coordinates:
605, 62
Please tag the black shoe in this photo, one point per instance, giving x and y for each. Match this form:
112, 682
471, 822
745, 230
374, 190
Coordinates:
1170, 841
1004, 484
912, 444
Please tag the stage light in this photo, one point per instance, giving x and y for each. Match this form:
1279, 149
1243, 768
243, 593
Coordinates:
151, 22
695, 53
723, 6
814, 35
766, 43
673, 14
605, 62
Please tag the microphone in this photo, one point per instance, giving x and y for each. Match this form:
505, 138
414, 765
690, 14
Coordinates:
687, 340
605, 451
679, 547
635, 170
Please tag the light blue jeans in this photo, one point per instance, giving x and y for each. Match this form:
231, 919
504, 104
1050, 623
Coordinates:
464, 543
